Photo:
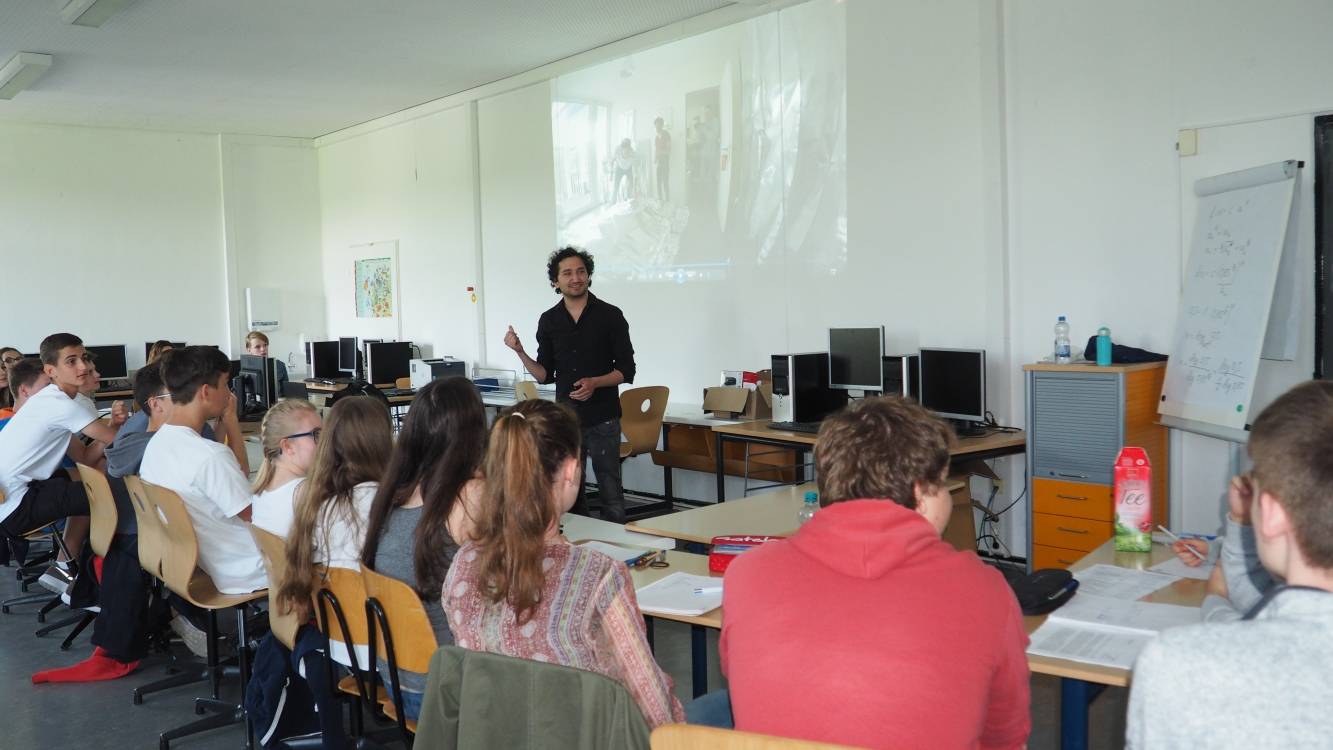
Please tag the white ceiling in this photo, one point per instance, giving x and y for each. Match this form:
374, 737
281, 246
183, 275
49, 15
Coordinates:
300, 68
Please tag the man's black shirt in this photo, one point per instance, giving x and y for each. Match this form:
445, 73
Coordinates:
596, 345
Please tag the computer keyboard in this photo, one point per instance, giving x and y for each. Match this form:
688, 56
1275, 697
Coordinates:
397, 391
810, 427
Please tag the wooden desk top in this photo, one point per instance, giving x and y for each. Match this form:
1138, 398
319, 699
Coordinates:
771, 513
990, 442
680, 562
1091, 367
1185, 592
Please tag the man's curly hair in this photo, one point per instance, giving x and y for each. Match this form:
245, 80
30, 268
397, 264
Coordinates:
553, 263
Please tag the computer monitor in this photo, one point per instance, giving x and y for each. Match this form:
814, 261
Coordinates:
953, 383
388, 361
148, 347
856, 358
347, 354
110, 361
323, 359
257, 386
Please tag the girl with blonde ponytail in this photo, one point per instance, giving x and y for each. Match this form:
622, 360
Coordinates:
288, 435
519, 589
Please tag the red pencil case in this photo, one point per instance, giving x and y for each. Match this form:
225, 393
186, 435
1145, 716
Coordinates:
726, 548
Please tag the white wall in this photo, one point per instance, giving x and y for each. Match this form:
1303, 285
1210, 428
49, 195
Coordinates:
113, 235
1096, 93
411, 183
271, 208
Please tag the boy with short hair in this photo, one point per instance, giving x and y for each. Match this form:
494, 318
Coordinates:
26, 377
38, 437
206, 474
865, 628
256, 344
1262, 680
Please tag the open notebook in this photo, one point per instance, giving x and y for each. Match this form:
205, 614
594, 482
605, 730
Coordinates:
1101, 630
681, 594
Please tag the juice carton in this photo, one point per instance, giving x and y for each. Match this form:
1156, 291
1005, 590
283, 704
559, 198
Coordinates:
1133, 501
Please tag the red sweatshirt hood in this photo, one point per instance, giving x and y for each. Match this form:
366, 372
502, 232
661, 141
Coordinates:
865, 538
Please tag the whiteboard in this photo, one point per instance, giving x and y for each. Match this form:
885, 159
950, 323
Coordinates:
1236, 249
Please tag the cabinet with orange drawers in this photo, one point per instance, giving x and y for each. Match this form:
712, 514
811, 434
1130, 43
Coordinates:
1078, 418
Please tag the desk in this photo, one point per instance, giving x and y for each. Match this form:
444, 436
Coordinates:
1080, 683
578, 528
991, 445
683, 562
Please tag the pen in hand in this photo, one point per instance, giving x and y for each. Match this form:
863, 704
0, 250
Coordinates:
1193, 551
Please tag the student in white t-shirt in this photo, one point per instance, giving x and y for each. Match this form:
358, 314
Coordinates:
38, 437
206, 474
288, 434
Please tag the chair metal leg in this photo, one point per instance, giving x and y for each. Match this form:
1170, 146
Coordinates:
243, 656
25, 599
61, 623
87, 620
187, 677
47, 608
228, 715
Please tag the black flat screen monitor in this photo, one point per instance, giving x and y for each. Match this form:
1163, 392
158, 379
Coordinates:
148, 347
856, 358
347, 354
389, 361
324, 359
110, 361
258, 381
953, 383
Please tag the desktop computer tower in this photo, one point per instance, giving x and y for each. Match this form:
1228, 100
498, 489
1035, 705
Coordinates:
902, 376
800, 388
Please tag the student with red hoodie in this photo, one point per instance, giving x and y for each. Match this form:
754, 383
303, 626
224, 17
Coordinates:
864, 628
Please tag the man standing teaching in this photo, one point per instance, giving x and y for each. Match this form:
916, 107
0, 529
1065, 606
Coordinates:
583, 347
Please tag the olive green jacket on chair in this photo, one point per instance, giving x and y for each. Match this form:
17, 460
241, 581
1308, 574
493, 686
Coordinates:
475, 699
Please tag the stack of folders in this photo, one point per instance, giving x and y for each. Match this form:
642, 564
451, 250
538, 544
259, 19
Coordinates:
1107, 631
681, 594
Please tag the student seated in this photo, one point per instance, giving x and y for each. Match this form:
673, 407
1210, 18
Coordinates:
865, 628
256, 343
426, 503
206, 474
8, 357
37, 438
1261, 680
288, 434
26, 377
520, 589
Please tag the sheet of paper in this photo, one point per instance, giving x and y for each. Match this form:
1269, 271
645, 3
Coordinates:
1111, 647
623, 554
1148, 617
1174, 567
1120, 583
675, 595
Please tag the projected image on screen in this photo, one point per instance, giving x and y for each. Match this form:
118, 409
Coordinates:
726, 149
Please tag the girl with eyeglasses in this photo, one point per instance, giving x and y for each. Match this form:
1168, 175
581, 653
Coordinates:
288, 434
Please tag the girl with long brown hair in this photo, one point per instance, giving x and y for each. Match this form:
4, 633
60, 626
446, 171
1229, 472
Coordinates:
519, 589
424, 507
333, 502
288, 435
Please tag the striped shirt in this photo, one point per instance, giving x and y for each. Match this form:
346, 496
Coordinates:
588, 619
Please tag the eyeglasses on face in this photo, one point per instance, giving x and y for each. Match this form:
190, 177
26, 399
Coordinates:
313, 434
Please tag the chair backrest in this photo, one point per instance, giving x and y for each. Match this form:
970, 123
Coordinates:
696, 737
350, 593
525, 390
180, 552
273, 549
408, 624
152, 536
641, 412
101, 509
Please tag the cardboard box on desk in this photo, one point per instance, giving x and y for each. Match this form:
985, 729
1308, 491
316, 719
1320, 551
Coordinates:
726, 402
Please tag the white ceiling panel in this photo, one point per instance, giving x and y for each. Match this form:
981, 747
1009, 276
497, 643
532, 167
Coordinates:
300, 68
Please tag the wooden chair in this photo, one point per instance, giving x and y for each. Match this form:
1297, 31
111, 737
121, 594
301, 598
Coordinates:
641, 412
525, 390
151, 542
340, 613
694, 737
401, 630
273, 549
181, 574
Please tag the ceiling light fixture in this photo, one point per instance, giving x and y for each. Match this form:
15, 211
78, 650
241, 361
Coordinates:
91, 12
20, 72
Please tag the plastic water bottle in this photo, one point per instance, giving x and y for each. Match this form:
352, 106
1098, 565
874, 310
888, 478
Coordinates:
1061, 341
1103, 346
808, 508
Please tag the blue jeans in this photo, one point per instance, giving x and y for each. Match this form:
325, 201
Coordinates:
412, 702
711, 710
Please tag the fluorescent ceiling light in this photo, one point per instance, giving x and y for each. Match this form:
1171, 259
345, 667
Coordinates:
91, 12
20, 72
